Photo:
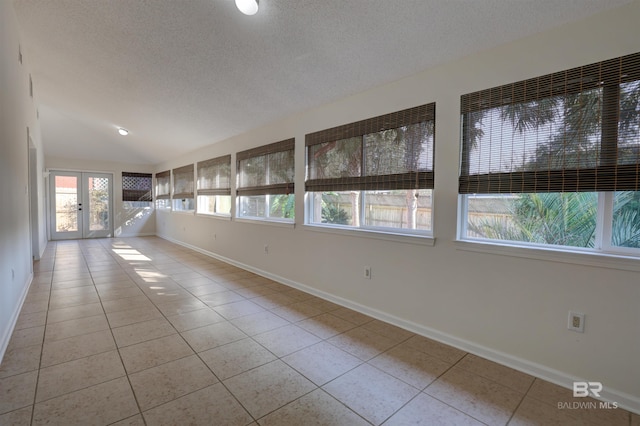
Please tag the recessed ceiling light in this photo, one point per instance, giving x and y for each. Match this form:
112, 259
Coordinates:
122, 131
248, 7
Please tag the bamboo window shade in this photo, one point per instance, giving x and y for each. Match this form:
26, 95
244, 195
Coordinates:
214, 176
388, 152
163, 185
268, 169
570, 131
183, 182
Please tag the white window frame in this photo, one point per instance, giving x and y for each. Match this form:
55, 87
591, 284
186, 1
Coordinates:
157, 200
609, 77
309, 209
197, 194
214, 214
603, 232
174, 200
267, 209
381, 231
267, 217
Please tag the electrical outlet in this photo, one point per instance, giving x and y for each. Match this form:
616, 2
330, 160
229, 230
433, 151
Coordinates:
13, 274
576, 322
367, 272
266, 249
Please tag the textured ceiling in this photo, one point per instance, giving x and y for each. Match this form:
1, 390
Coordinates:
181, 74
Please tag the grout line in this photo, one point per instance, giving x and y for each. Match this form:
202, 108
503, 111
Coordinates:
183, 257
46, 323
118, 350
194, 353
164, 315
521, 401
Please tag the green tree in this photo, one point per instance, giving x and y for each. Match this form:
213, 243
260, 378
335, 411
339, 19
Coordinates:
332, 213
567, 218
546, 218
327, 160
625, 230
283, 205
401, 150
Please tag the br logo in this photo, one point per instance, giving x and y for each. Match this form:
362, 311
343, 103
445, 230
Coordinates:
584, 389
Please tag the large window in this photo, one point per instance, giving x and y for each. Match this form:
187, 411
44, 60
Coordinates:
183, 199
265, 182
555, 160
163, 190
374, 174
137, 189
214, 186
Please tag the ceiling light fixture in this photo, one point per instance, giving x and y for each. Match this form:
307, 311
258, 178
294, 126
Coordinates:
122, 131
248, 7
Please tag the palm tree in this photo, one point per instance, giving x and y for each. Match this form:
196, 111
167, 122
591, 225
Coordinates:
400, 150
333, 213
626, 220
283, 205
567, 218
327, 161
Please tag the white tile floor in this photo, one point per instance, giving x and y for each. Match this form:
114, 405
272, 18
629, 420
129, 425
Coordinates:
141, 331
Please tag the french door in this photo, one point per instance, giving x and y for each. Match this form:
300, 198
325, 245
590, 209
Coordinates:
80, 205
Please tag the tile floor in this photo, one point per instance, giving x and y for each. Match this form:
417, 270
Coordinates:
142, 331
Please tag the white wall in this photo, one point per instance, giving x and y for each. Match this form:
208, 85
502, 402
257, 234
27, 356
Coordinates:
126, 222
18, 112
511, 309
37, 189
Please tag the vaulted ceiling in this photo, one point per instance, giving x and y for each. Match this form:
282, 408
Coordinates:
182, 74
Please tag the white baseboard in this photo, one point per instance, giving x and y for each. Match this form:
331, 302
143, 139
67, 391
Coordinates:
624, 400
6, 334
137, 234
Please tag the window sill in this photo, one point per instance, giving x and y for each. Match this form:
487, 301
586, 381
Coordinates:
263, 221
189, 212
215, 216
598, 259
407, 238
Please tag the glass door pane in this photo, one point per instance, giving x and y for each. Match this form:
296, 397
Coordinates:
97, 202
80, 205
66, 217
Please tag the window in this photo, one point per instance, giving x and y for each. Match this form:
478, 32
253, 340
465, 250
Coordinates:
183, 189
555, 160
137, 190
265, 182
163, 190
214, 186
374, 174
